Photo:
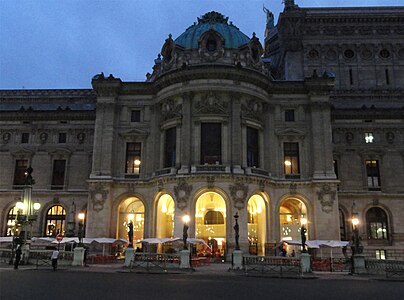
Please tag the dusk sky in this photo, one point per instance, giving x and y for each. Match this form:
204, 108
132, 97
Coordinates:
51, 44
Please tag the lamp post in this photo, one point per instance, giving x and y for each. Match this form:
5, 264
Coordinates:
303, 230
185, 220
81, 217
356, 245
236, 231
27, 210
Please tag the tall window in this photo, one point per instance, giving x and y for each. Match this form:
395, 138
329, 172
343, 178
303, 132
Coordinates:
342, 228
291, 159
373, 174
135, 116
62, 137
211, 143
376, 220
335, 164
252, 147
58, 174
21, 166
11, 216
289, 115
55, 221
24, 138
133, 158
170, 147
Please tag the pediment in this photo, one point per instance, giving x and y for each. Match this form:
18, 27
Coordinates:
290, 132
134, 132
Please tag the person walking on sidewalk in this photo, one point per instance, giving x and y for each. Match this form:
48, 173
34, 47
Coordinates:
18, 253
54, 258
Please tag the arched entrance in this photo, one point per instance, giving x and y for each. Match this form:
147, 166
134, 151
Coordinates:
210, 222
257, 225
165, 217
291, 212
131, 209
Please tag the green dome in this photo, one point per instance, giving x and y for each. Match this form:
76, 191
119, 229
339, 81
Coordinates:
232, 36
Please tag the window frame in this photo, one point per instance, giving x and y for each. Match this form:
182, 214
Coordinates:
135, 116
131, 155
373, 174
59, 218
253, 153
379, 220
291, 155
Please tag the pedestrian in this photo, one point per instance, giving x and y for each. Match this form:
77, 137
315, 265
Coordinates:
85, 257
54, 258
293, 253
18, 253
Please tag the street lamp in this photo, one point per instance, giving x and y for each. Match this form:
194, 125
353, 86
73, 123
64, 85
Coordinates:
303, 230
27, 210
131, 217
185, 219
356, 245
81, 217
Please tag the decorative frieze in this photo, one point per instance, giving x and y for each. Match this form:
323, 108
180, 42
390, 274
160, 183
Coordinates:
238, 193
98, 195
327, 196
182, 193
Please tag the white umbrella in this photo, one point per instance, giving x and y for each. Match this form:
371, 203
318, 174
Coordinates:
197, 241
45, 239
109, 241
73, 240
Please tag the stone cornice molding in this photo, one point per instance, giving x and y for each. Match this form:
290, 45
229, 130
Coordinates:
48, 93
290, 132
135, 132
21, 153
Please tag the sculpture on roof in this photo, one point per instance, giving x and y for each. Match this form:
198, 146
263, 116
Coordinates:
270, 18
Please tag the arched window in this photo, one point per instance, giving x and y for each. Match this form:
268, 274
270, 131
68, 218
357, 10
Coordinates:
11, 216
214, 217
342, 228
55, 221
376, 220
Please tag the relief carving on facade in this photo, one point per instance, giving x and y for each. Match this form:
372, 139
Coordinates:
211, 103
210, 181
170, 109
182, 193
326, 196
6, 137
238, 193
252, 109
98, 195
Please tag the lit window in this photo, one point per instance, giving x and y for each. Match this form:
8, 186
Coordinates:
55, 221
11, 222
380, 254
369, 137
291, 159
376, 221
133, 158
21, 166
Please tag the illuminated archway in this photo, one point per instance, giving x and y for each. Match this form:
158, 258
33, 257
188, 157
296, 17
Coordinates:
131, 209
165, 217
291, 212
257, 225
210, 221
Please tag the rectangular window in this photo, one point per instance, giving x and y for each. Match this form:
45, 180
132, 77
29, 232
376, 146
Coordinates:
211, 143
58, 174
380, 254
170, 147
21, 166
62, 137
373, 174
350, 77
387, 76
24, 138
289, 115
291, 159
133, 158
369, 137
135, 116
252, 147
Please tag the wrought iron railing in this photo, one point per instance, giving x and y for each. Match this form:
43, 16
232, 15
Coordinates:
282, 266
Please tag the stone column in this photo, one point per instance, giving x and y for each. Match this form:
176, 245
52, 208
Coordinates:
186, 136
236, 142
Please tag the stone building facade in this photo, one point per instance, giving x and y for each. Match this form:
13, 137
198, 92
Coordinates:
303, 127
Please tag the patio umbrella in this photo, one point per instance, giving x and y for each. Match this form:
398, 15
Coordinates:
108, 241
6, 239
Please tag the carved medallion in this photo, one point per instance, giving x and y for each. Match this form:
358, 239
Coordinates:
182, 192
238, 192
98, 195
326, 196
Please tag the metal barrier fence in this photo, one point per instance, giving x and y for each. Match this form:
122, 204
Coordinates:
282, 266
5, 255
388, 267
155, 261
41, 258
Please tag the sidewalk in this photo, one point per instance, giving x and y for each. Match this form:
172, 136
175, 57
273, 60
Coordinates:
217, 269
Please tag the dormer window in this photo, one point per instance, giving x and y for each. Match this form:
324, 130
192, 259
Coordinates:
211, 45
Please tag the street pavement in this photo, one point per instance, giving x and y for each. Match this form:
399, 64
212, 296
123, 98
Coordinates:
212, 281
